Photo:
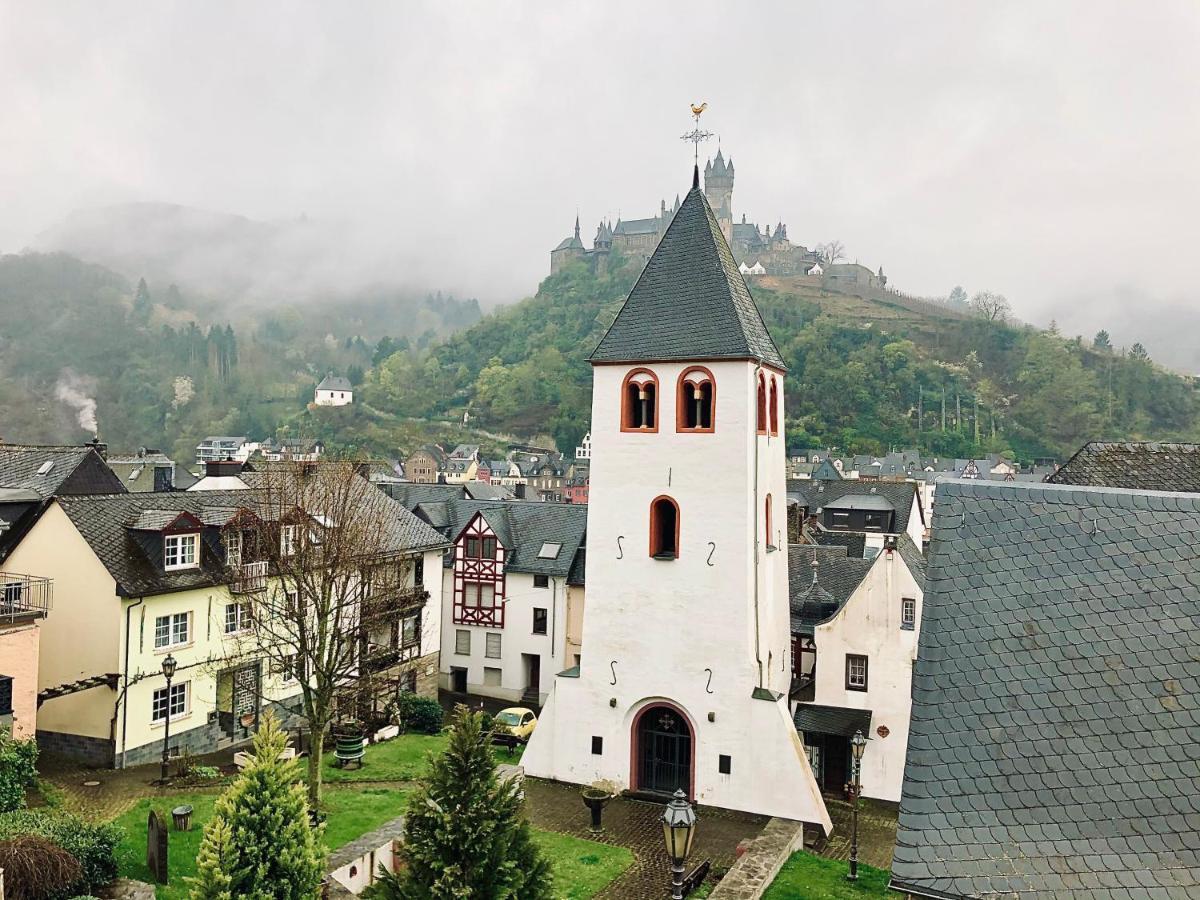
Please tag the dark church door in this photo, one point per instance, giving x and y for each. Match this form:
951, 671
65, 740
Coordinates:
664, 751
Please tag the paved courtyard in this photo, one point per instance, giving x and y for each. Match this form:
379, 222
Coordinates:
876, 832
635, 824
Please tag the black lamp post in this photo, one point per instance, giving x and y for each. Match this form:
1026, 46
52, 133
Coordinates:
679, 827
168, 670
858, 744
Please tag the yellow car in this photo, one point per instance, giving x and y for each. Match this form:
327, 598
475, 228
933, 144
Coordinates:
519, 721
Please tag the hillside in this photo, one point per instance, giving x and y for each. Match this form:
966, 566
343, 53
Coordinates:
866, 374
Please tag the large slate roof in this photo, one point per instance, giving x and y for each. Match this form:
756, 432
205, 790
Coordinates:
1056, 698
690, 301
819, 494
71, 470
110, 524
522, 526
1141, 465
818, 600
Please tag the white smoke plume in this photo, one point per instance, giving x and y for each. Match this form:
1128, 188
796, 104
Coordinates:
76, 391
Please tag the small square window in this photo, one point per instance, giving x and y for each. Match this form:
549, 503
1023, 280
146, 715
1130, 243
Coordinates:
724, 764
462, 642
491, 646
541, 581
491, 676
549, 551
180, 551
597, 745
539, 620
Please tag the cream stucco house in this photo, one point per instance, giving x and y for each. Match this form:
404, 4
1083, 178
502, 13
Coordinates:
140, 576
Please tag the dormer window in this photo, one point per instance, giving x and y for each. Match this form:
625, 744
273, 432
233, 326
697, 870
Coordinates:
181, 551
695, 402
639, 401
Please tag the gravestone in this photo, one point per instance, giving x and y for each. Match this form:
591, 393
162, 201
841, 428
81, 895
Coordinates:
156, 847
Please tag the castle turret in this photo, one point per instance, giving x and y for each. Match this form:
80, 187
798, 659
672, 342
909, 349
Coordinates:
568, 250
718, 188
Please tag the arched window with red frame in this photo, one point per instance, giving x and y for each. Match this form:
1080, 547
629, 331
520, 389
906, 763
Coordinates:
774, 404
639, 401
696, 401
761, 424
664, 528
767, 523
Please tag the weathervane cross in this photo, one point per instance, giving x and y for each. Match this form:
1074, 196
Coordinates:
696, 135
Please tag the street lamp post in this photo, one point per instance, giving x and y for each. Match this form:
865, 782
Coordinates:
858, 743
679, 827
168, 670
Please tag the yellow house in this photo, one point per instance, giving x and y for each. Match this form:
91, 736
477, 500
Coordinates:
138, 576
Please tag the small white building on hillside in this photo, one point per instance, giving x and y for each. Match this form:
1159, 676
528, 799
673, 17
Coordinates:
334, 390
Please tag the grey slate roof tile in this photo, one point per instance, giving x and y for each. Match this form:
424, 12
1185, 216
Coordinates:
690, 302
1147, 465
1053, 752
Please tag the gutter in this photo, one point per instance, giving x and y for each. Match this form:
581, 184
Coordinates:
125, 682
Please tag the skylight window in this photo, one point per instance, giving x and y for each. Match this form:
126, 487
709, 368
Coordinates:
45, 467
549, 551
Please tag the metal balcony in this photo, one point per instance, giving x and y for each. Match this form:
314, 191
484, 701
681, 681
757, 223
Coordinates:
24, 597
249, 577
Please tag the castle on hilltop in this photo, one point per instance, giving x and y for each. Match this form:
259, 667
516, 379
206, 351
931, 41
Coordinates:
757, 250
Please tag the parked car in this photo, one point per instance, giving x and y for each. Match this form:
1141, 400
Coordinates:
519, 721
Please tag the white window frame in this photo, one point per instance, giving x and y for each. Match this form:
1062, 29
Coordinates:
182, 690
172, 628
233, 548
493, 639
289, 536
908, 613
242, 618
177, 543
855, 682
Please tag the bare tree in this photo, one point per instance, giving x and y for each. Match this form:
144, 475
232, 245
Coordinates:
832, 252
991, 306
323, 564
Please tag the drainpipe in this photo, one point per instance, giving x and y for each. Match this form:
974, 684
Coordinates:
754, 512
125, 680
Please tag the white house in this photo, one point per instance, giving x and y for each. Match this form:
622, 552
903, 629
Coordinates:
334, 390
855, 624
684, 681
584, 450
512, 596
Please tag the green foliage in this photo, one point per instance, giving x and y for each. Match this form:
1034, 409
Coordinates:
94, 846
260, 833
421, 714
36, 868
465, 835
18, 770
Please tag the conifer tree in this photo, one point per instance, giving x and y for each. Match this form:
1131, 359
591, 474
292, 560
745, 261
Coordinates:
465, 835
260, 835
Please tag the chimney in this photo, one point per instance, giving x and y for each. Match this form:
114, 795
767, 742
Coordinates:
218, 468
519, 491
100, 448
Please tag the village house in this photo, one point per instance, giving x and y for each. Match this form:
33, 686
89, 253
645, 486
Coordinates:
684, 681
584, 450
215, 448
24, 601
423, 465
823, 508
855, 625
577, 483
140, 576
146, 470
291, 449
334, 390
1052, 751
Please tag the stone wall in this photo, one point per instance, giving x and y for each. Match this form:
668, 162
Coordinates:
90, 751
753, 873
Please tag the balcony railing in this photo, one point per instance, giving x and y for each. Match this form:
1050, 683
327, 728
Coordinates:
250, 577
24, 596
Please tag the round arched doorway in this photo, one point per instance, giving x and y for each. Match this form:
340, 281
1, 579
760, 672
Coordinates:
663, 750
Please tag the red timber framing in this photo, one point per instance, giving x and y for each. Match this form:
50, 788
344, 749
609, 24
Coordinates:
479, 576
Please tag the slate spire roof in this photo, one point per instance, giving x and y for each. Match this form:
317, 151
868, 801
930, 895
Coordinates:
690, 302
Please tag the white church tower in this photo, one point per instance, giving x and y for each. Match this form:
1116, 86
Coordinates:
686, 660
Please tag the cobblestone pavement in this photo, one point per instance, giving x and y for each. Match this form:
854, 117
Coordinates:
876, 832
635, 824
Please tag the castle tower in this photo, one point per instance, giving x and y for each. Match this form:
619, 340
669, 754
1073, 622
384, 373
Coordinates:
686, 661
718, 188
568, 250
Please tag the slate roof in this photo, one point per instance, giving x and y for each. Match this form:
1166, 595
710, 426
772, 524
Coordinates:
72, 470
334, 383
818, 494
522, 526
1056, 697
690, 302
1144, 465
812, 717
837, 575
411, 494
111, 525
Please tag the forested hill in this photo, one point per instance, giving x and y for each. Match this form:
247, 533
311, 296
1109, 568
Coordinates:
155, 369
865, 375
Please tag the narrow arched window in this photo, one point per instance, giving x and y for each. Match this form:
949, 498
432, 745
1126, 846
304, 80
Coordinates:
767, 523
664, 528
774, 402
761, 425
639, 401
695, 400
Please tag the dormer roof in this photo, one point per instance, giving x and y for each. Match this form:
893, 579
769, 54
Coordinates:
690, 301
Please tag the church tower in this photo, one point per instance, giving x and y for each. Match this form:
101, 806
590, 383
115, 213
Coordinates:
718, 188
686, 661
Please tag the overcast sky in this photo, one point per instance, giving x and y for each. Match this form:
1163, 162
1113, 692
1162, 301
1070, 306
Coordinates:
1049, 151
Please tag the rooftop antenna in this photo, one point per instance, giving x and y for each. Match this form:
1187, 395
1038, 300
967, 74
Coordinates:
696, 136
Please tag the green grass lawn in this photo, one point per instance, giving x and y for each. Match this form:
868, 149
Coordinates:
401, 759
581, 868
808, 877
351, 813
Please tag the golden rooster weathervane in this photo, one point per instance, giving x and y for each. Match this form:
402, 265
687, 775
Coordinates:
696, 135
